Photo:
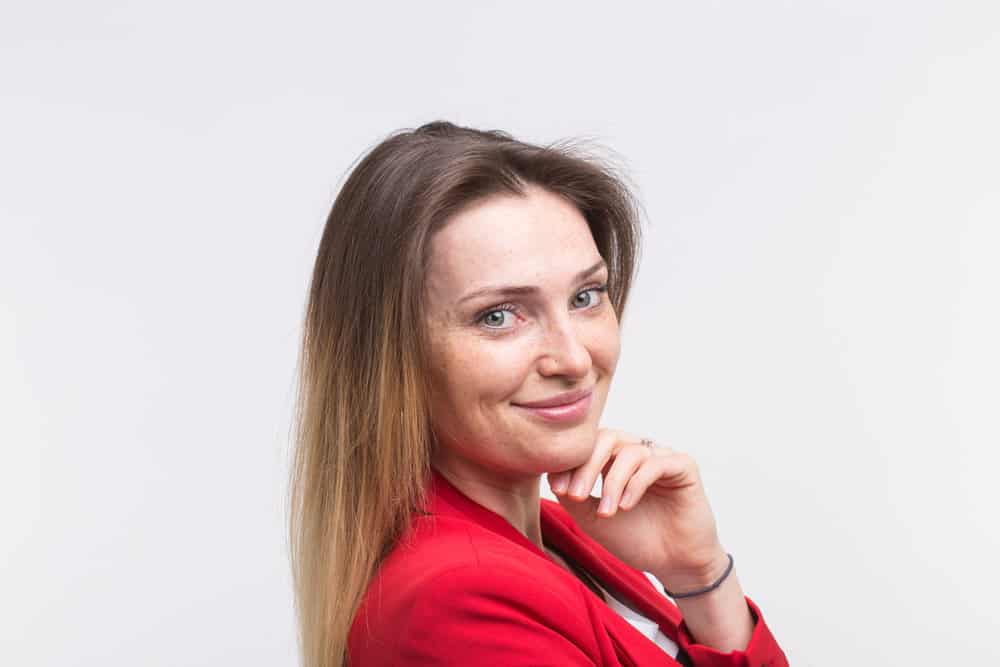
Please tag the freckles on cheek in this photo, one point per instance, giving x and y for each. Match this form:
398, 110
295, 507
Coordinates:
495, 375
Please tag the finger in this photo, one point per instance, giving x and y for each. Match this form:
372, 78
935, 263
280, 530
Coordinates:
675, 465
628, 460
583, 478
559, 481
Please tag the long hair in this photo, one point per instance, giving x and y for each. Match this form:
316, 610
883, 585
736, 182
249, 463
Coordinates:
363, 441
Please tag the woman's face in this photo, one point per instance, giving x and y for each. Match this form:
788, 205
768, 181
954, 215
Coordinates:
516, 315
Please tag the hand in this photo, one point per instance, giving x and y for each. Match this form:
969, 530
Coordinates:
653, 513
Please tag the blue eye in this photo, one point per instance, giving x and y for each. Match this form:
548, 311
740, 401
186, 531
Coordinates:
595, 299
502, 317
495, 318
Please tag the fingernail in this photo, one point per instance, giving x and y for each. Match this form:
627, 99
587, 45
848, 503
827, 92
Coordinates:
626, 499
578, 489
560, 484
605, 507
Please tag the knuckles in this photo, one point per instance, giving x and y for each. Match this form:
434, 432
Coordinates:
614, 452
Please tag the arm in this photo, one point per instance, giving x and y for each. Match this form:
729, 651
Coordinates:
484, 616
761, 651
720, 618
724, 628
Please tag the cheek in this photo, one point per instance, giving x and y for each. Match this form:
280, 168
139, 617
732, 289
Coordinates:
475, 370
614, 349
605, 345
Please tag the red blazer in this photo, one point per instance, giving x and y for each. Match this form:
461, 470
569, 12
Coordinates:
463, 586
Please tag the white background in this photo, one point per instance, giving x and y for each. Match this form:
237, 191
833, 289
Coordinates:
816, 315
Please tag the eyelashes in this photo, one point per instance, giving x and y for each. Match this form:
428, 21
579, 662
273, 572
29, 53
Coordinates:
597, 288
508, 307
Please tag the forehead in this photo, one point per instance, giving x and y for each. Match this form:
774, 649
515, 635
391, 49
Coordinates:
508, 239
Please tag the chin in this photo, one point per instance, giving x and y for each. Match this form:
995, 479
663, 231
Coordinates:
573, 450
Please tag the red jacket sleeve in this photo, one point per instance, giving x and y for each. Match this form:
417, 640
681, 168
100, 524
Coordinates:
762, 651
481, 616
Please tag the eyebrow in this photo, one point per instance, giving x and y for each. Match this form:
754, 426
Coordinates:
529, 289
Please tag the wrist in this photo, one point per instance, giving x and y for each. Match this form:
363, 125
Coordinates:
694, 579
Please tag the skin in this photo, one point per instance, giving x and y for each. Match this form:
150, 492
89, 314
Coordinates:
491, 351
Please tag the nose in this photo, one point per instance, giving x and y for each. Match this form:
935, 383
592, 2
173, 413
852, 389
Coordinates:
564, 351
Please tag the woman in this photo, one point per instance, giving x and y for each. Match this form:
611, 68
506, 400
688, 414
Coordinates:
460, 340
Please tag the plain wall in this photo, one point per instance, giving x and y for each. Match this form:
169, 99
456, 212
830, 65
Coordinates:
815, 318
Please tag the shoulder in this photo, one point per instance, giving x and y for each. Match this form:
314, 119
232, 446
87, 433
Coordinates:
439, 550
451, 588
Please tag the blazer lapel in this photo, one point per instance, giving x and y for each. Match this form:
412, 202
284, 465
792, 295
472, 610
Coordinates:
627, 584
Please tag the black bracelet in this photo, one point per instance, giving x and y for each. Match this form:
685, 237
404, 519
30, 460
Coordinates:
707, 588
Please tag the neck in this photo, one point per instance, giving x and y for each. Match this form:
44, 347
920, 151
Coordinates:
516, 499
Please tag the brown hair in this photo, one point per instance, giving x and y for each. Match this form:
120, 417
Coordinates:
363, 442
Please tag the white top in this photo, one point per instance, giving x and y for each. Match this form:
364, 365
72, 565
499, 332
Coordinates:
644, 625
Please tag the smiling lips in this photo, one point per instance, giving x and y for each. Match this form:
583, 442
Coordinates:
567, 407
